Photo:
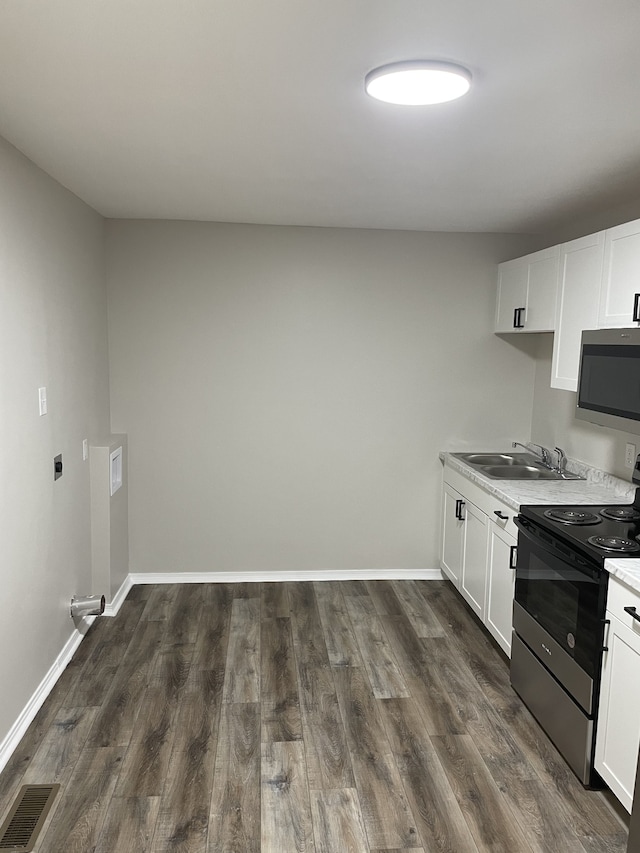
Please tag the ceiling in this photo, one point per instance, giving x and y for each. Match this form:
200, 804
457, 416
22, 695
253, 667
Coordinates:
254, 111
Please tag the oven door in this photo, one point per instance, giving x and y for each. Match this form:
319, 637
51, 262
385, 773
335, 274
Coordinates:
563, 593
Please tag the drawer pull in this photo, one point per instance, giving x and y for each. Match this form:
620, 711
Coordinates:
501, 515
632, 612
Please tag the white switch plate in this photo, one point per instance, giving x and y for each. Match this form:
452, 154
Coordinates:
42, 400
630, 456
85, 449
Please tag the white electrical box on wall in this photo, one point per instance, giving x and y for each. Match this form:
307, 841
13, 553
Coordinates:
115, 470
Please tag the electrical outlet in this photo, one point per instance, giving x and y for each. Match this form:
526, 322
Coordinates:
630, 456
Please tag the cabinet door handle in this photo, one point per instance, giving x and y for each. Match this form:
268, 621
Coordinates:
513, 557
606, 622
501, 515
460, 504
636, 308
632, 612
517, 318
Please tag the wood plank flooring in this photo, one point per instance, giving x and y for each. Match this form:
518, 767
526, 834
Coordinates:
365, 717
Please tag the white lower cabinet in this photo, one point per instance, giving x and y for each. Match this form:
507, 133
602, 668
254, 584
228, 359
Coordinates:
618, 735
502, 582
452, 540
474, 565
477, 552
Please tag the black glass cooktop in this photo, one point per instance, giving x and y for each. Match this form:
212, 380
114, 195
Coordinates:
600, 531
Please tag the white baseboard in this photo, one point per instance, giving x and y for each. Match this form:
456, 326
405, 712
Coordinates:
17, 731
118, 599
311, 575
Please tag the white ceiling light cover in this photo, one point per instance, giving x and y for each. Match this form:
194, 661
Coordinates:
418, 83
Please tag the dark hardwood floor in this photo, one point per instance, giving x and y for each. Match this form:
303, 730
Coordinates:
352, 717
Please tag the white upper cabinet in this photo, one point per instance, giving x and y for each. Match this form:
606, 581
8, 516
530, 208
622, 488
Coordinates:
527, 290
620, 294
580, 275
512, 294
542, 290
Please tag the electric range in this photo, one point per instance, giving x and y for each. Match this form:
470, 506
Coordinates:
559, 617
598, 532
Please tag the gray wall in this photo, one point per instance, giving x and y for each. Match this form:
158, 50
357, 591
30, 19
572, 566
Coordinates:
52, 333
286, 390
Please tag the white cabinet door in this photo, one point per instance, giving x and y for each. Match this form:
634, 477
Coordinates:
501, 581
474, 561
618, 733
478, 533
542, 288
451, 550
620, 296
512, 294
527, 288
580, 277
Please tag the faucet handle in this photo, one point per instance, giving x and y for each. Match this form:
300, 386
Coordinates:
562, 458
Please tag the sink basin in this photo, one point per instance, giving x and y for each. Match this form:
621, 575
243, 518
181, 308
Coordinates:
497, 458
513, 466
520, 472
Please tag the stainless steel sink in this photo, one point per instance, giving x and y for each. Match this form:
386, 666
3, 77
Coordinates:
497, 458
520, 472
513, 466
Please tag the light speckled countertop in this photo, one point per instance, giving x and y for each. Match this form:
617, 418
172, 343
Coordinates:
628, 571
598, 488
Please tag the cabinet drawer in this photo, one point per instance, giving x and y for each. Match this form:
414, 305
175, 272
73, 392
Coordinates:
619, 596
496, 511
489, 504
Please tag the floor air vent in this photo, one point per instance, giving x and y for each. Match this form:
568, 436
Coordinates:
20, 830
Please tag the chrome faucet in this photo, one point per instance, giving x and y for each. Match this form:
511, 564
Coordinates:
562, 460
542, 452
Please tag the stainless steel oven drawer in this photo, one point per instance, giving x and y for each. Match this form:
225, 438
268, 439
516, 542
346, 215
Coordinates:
565, 722
575, 680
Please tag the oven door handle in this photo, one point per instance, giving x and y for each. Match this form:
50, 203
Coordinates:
537, 542
549, 549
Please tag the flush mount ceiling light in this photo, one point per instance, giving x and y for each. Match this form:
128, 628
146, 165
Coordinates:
418, 83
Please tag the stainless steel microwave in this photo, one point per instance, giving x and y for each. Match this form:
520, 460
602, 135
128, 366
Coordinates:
609, 379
